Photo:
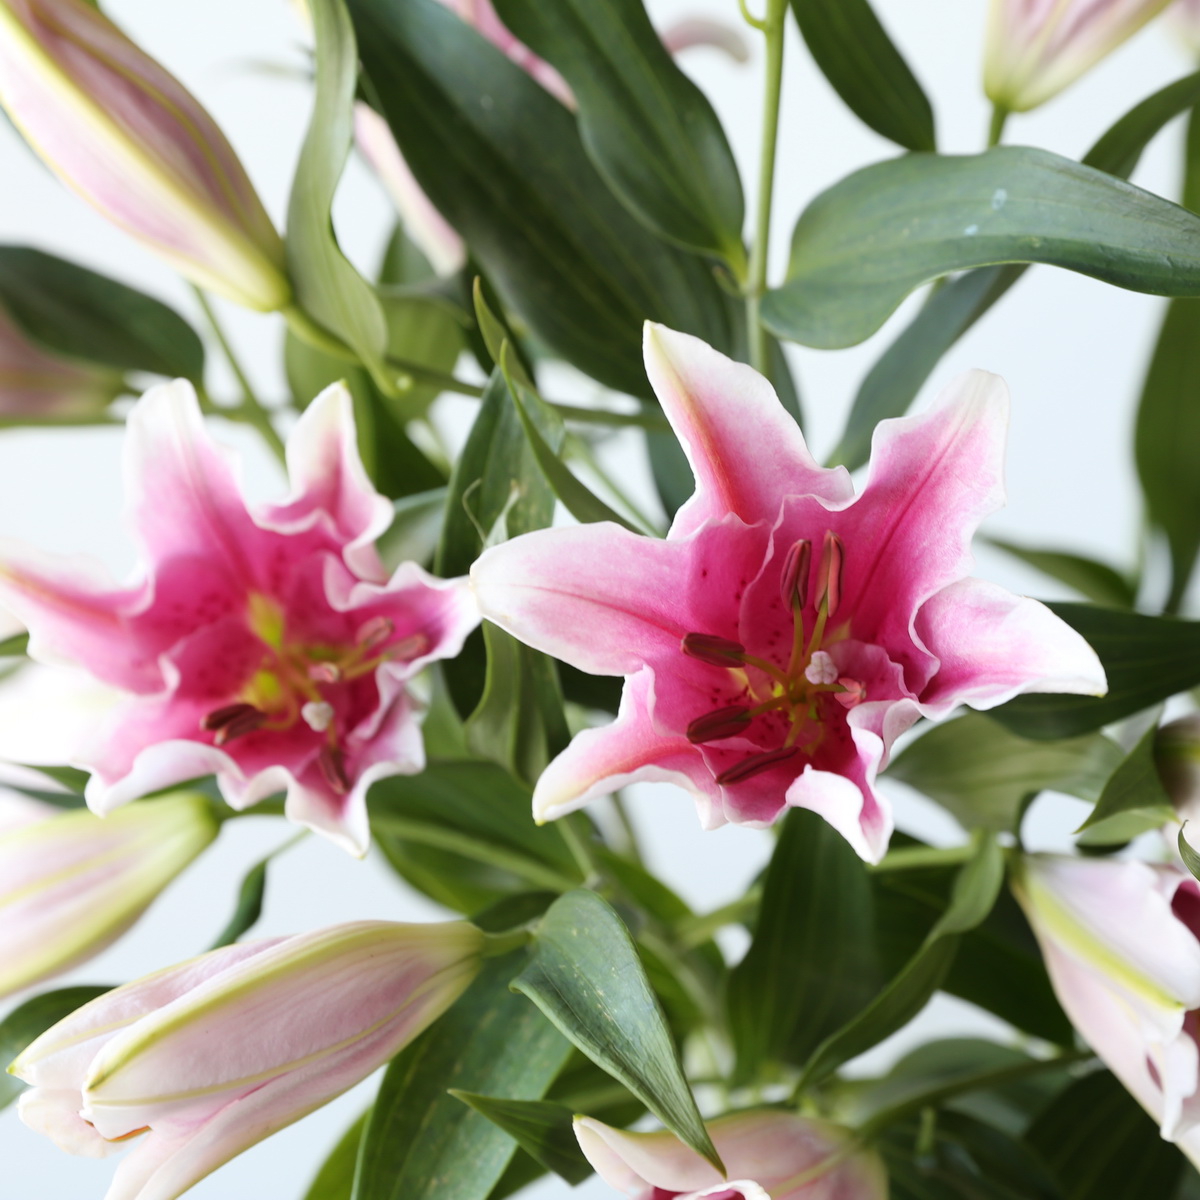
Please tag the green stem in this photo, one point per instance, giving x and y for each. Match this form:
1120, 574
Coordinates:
496, 945
917, 858
1000, 116
695, 931
756, 285
250, 410
425, 834
971, 1083
577, 833
633, 847
442, 379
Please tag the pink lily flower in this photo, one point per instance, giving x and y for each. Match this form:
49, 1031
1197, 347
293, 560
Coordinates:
71, 884
1185, 20
121, 131
37, 383
786, 632
770, 1155
1121, 941
203, 1060
1035, 48
266, 645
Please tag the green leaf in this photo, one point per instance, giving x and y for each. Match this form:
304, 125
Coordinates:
862, 246
585, 975
1134, 789
1147, 660
14, 646
1113, 1153
649, 130
543, 1130
29, 1021
894, 381
425, 332
812, 964
1191, 859
423, 1144
462, 833
983, 774
1096, 581
328, 288
858, 58
519, 722
415, 529
249, 905
81, 314
335, 1179
975, 892
503, 161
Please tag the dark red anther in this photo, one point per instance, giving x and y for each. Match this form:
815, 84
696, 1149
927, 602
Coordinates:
232, 721
756, 764
718, 724
332, 765
829, 574
793, 583
717, 651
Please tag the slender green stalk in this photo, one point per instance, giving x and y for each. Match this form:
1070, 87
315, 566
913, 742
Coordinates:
756, 285
695, 931
422, 374
577, 833
633, 847
251, 410
916, 858
497, 944
1000, 116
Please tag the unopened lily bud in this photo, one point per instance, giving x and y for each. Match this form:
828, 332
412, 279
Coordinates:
768, 1155
132, 141
1184, 17
1121, 941
71, 883
1177, 756
203, 1060
37, 383
1035, 48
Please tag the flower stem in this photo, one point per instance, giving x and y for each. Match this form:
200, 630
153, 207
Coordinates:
577, 833
251, 410
917, 858
756, 285
996, 129
695, 931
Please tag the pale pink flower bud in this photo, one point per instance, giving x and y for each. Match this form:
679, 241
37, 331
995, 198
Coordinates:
1121, 941
768, 1155
128, 137
209, 1057
36, 383
71, 883
1035, 48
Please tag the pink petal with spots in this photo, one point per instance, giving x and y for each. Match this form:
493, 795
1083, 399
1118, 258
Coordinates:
745, 451
599, 762
933, 478
330, 487
993, 645
607, 600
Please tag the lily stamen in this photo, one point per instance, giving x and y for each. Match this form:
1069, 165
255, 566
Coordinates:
756, 764
720, 723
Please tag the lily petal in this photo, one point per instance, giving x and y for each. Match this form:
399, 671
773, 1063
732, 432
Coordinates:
993, 645
726, 415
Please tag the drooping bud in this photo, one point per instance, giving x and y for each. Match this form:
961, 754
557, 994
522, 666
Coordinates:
829, 573
132, 141
756, 764
1177, 756
716, 651
72, 883
199, 1062
793, 582
720, 723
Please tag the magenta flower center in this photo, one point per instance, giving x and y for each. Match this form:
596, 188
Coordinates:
798, 690
308, 683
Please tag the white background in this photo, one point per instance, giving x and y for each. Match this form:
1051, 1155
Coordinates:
1072, 350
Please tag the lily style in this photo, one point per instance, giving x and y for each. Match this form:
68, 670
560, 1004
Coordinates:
786, 631
1035, 48
70, 884
768, 1155
267, 646
126, 135
202, 1060
1121, 940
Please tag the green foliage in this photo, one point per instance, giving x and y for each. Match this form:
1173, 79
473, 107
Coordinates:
249, 905
1133, 799
335, 1179
542, 1129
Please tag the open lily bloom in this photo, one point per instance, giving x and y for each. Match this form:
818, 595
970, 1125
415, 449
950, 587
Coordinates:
71, 884
1035, 48
1121, 941
769, 1155
201, 1061
267, 646
132, 141
786, 632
